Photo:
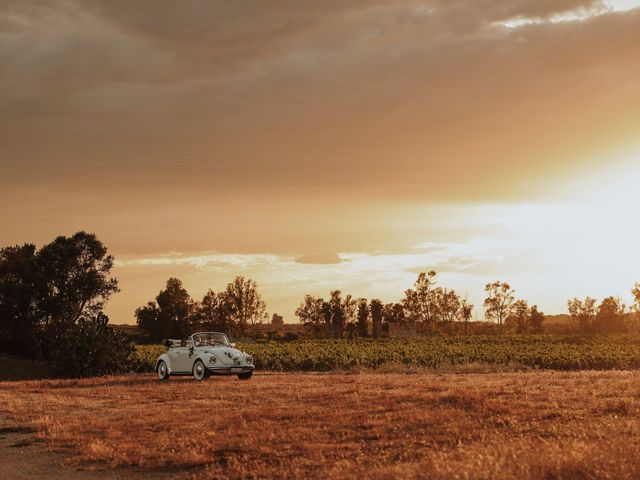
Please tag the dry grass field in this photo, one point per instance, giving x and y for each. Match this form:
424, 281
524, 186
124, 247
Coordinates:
499, 425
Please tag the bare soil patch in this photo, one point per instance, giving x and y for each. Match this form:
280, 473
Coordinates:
24, 457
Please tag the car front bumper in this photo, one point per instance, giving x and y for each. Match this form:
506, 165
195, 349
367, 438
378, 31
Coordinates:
230, 370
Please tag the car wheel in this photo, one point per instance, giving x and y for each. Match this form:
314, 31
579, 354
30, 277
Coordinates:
163, 371
199, 371
245, 375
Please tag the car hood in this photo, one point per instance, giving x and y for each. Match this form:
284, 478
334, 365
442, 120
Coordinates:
227, 355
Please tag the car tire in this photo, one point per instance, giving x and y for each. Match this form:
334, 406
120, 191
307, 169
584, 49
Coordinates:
245, 375
199, 371
163, 371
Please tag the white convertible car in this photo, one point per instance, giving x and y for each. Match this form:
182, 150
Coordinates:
202, 355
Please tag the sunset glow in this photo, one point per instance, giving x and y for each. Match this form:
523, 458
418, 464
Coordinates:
331, 144
584, 12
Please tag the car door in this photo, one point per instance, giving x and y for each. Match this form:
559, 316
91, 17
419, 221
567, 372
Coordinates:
179, 358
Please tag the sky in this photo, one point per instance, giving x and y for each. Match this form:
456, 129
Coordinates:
328, 145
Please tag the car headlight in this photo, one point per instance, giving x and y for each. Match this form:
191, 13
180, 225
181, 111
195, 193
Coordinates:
213, 359
249, 359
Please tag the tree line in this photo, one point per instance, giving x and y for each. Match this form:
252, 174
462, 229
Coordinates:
236, 310
427, 308
52, 307
610, 316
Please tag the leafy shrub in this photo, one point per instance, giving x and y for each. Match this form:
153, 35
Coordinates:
556, 352
143, 358
91, 347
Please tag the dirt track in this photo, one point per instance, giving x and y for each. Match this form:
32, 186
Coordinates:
24, 458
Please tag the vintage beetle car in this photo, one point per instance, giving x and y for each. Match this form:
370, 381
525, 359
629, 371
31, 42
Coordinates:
202, 355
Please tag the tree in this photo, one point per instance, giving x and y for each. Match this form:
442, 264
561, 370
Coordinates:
466, 310
176, 308
245, 302
610, 316
636, 296
147, 318
392, 314
342, 311
583, 313
520, 317
77, 271
277, 321
636, 304
338, 315
311, 313
499, 301
206, 313
212, 313
51, 302
420, 302
376, 317
170, 315
363, 318
326, 310
21, 289
411, 308
448, 306
255, 321
43, 293
536, 320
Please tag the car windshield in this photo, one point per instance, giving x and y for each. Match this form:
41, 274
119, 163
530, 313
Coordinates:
212, 339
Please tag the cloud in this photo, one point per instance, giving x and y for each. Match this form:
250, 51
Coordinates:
204, 260
284, 279
261, 130
582, 11
319, 258
230, 94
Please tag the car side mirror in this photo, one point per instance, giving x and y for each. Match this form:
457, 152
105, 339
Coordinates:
233, 344
191, 350
167, 343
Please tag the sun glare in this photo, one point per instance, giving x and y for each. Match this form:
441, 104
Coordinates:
594, 230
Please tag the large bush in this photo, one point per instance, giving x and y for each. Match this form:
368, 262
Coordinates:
91, 347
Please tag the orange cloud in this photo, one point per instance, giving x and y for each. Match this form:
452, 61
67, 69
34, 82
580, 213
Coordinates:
291, 128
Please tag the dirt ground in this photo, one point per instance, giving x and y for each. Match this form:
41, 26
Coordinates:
22, 457
535, 425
